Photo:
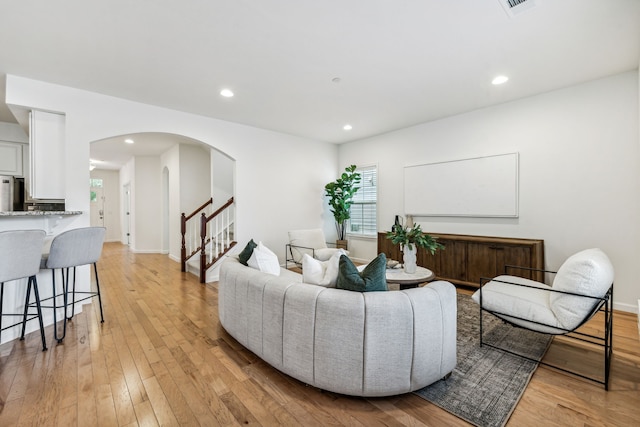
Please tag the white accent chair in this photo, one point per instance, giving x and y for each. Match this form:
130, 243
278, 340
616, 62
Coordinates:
582, 286
311, 242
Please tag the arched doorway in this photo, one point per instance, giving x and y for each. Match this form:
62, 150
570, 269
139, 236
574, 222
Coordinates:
168, 174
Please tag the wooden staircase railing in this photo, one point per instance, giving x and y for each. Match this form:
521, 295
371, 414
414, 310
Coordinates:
217, 235
190, 231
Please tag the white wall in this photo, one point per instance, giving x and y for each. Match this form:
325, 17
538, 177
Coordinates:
579, 171
222, 173
195, 177
147, 200
171, 161
12, 132
189, 186
279, 178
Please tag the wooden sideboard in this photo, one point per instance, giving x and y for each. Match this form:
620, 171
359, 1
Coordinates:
466, 259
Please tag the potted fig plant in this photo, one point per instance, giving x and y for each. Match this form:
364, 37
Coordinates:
410, 239
340, 193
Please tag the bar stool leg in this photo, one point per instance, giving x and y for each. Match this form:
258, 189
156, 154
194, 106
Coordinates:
55, 308
73, 293
37, 295
65, 298
95, 270
73, 296
65, 288
26, 309
33, 281
1, 301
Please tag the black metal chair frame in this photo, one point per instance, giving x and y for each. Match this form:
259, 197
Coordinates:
289, 254
66, 273
26, 316
604, 304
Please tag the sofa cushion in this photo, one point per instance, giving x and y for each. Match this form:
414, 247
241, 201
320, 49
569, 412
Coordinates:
265, 260
531, 302
323, 273
246, 252
372, 278
588, 272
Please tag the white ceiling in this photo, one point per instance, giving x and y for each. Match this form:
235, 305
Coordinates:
113, 153
400, 62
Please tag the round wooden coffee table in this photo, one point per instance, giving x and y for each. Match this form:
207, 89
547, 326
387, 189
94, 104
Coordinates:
405, 281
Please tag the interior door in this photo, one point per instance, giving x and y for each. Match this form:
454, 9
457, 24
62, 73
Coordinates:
127, 212
97, 207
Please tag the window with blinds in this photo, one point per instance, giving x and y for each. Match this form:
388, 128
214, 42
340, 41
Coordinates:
365, 201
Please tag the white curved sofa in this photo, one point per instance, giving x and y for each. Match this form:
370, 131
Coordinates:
362, 344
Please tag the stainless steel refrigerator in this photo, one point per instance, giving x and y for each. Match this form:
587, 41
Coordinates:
11, 194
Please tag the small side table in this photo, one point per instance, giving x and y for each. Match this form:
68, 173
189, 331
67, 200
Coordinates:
405, 281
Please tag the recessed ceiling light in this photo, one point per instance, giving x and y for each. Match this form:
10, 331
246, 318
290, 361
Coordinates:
129, 141
227, 93
347, 127
499, 80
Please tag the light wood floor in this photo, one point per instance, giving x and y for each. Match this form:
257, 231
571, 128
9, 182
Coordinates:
161, 358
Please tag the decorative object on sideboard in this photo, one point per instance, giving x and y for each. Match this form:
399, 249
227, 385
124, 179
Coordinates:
340, 193
396, 224
410, 239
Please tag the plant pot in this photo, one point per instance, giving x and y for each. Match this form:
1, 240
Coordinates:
341, 244
409, 258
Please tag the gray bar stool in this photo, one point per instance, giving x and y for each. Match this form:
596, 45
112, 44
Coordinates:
69, 250
20, 253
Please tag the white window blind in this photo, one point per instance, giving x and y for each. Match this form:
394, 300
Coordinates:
365, 202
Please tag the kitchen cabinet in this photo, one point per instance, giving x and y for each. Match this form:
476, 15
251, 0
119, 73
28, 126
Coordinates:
11, 158
466, 259
46, 155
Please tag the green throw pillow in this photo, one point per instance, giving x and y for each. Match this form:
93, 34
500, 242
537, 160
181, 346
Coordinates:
247, 251
372, 278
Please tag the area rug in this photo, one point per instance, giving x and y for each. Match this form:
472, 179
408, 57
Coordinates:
486, 384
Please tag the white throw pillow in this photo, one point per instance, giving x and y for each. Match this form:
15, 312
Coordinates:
323, 273
333, 266
588, 272
312, 270
265, 260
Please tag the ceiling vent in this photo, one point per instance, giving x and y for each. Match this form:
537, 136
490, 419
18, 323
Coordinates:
515, 7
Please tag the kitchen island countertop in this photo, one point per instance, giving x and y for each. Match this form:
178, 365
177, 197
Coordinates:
38, 213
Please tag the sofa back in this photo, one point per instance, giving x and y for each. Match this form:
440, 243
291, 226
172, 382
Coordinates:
367, 344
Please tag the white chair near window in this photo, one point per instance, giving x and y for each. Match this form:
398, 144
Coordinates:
582, 287
311, 242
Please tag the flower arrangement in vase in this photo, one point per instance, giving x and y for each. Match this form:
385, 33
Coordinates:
410, 239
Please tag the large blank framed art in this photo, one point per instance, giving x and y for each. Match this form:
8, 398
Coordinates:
477, 187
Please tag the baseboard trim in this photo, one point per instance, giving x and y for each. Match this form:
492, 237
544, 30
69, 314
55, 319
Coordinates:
146, 251
629, 308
